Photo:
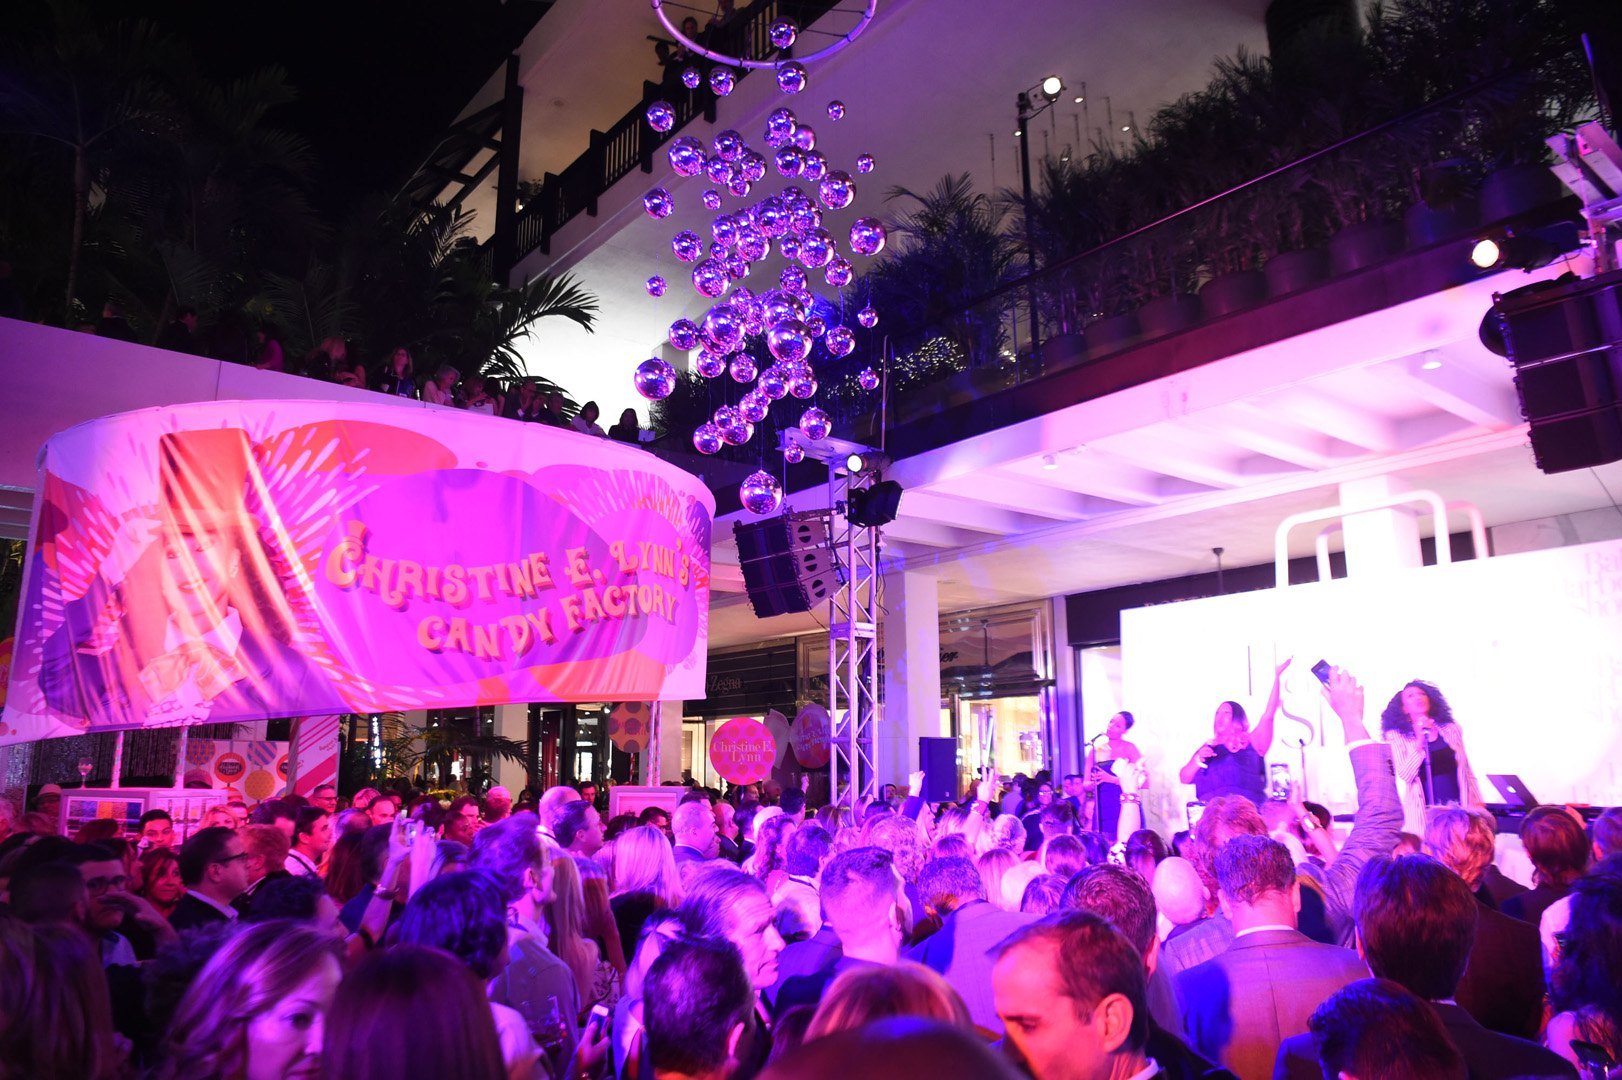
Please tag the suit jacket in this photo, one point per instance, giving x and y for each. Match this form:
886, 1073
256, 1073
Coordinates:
1178, 1061
1502, 985
191, 913
1530, 905
960, 950
685, 854
1193, 945
529, 983
1239, 1006
1496, 888
808, 959
1376, 827
1487, 1054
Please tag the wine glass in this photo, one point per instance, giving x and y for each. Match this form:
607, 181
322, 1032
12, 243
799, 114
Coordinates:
86, 764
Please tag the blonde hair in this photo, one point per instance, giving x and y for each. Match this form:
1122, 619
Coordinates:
566, 920
994, 866
1462, 840
867, 994
644, 862
1015, 880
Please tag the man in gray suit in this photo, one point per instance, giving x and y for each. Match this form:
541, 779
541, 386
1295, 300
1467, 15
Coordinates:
961, 950
1416, 925
1240, 1005
1375, 830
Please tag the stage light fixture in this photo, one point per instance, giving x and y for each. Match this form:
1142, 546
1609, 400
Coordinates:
1052, 87
1485, 254
856, 463
874, 506
1526, 250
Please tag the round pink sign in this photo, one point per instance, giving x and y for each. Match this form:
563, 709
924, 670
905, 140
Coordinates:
811, 737
743, 751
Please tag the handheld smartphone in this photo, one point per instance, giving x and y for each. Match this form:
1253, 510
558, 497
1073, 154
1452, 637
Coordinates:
412, 828
1278, 782
1195, 809
1321, 669
603, 1015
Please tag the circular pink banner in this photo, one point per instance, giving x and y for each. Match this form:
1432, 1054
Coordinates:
743, 751
811, 731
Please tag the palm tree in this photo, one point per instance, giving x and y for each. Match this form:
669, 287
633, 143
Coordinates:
91, 89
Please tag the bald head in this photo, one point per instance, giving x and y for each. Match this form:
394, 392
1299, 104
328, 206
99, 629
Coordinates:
552, 802
1178, 892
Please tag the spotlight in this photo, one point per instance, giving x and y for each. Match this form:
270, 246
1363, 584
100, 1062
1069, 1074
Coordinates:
1050, 461
1525, 250
1485, 254
1079, 100
874, 506
1432, 362
1052, 87
1018, 132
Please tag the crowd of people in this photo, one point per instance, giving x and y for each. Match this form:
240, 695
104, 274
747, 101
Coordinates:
260, 346
726, 937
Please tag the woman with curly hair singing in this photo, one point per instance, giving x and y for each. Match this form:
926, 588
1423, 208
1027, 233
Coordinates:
1427, 749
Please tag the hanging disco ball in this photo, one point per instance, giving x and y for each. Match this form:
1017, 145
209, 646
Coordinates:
686, 156
790, 161
780, 124
782, 34
868, 317
839, 272
837, 190
805, 137
773, 384
728, 145
707, 438
836, 110
743, 368
789, 341
711, 199
687, 246
791, 77
840, 341
658, 203
864, 163
815, 424
722, 80
684, 335
802, 386
867, 236
656, 285
690, 78
661, 116
655, 378
710, 364
868, 379
816, 166
753, 406
793, 453
710, 278
760, 492
723, 326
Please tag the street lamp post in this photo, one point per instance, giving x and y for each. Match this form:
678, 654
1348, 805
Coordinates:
1049, 88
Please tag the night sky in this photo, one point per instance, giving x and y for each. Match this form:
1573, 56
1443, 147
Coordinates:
377, 82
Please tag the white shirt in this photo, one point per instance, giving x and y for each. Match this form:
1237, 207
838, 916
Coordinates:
1260, 929
299, 865
224, 909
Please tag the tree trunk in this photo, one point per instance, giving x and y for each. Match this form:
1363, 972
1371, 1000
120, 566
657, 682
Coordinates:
81, 203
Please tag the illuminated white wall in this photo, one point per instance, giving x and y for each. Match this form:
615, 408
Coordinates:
1527, 649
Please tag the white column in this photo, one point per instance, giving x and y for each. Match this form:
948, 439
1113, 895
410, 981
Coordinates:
512, 722
1380, 541
669, 745
1065, 748
911, 636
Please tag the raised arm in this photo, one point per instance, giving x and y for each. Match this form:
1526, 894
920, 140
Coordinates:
1188, 772
1261, 736
1377, 823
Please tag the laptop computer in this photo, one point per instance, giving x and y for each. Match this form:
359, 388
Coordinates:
1513, 790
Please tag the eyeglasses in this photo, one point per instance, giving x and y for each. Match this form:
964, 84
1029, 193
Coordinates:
231, 858
102, 884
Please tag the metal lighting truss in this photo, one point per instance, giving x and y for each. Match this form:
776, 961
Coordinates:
853, 645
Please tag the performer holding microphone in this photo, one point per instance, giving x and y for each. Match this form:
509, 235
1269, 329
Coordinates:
1427, 749
1102, 781
1233, 761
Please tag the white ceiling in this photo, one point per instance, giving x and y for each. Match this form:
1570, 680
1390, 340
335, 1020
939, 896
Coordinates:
1145, 483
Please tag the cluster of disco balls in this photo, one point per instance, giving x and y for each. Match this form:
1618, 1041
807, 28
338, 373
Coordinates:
788, 220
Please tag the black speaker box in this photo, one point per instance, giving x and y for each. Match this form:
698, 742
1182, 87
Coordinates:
938, 758
770, 568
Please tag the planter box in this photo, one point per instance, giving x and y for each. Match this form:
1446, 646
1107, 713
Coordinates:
1232, 291
1168, 314
1512, 191
1425, 225
1063, 350
1113, 332
1292, 271
1364, 244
